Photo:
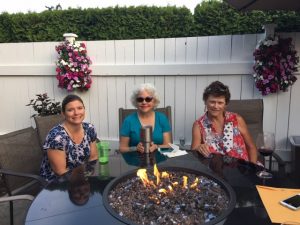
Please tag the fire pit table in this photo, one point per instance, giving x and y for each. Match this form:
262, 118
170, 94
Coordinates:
55, 204
173, 196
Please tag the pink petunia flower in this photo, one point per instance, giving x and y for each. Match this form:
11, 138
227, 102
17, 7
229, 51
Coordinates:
72, 71
274, 64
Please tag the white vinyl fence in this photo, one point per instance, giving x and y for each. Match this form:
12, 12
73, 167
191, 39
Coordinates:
180, 68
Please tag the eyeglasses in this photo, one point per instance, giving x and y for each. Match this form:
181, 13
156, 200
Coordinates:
147, 99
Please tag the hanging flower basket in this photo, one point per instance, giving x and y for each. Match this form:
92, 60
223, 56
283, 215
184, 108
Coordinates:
72, 71
275, 62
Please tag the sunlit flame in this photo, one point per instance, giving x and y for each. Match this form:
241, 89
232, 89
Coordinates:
162, 190
164, 174
142, 174
195, 183
157, 174
155, 199
185, 179
175, 183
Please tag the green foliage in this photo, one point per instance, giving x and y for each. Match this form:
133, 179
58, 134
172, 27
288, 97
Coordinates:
218, 18
44, 106
211, 17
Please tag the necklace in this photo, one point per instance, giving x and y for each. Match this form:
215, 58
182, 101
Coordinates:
147, 121
77, 135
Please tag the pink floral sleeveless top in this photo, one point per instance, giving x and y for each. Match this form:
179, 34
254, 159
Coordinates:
229, 143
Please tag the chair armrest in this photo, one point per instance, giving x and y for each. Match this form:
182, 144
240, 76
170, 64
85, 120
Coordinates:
278, 159
281, 164
17, 197
28, 175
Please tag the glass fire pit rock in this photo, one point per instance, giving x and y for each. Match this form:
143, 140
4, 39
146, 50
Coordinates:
174, 196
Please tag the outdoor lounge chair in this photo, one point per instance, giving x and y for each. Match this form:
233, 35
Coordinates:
252, 111
44, 124
21, 204
20, 158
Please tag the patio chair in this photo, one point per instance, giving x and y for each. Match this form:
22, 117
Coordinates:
20, 158
252, 111
123, 113
44, 124
21, 205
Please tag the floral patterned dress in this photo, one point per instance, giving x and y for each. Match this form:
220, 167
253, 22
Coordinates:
231, 142
76, 154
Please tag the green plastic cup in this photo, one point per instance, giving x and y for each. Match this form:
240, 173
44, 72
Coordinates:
103, 151
104, 171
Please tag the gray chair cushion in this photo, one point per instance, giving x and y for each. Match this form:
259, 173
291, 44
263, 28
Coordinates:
45, 124
252, 111
19, 212
20, 152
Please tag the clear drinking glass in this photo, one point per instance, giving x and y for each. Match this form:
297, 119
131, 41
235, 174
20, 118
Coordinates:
181, 141
265, 143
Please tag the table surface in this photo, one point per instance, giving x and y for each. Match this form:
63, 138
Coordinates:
53, 204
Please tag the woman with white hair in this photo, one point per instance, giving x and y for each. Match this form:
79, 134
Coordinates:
145, 99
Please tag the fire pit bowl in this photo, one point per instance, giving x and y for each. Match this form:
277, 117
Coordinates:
173, 196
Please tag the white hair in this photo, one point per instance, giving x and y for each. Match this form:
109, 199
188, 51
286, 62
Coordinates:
148, 88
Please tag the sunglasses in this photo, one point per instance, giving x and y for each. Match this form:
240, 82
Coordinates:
147, 99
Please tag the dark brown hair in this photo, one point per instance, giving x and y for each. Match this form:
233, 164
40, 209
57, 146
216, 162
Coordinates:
217, 89
68, 99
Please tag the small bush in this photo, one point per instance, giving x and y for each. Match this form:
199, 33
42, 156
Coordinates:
44, 106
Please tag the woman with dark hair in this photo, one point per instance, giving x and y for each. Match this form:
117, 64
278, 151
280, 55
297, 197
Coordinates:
69, 144
220, 131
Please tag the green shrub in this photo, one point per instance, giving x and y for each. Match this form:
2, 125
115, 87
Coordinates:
211, 17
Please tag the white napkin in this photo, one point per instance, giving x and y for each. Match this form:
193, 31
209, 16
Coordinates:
176, 151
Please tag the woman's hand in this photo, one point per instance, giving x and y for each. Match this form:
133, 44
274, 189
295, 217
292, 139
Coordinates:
153, 147
140, 147
204, 150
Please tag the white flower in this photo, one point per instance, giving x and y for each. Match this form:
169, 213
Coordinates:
267, 42
76, 85
76, 45
63, 62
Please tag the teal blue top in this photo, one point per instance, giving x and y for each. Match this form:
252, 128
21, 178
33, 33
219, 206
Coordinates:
132, 125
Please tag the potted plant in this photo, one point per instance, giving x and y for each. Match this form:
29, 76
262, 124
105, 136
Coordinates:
48, 114
44, 106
